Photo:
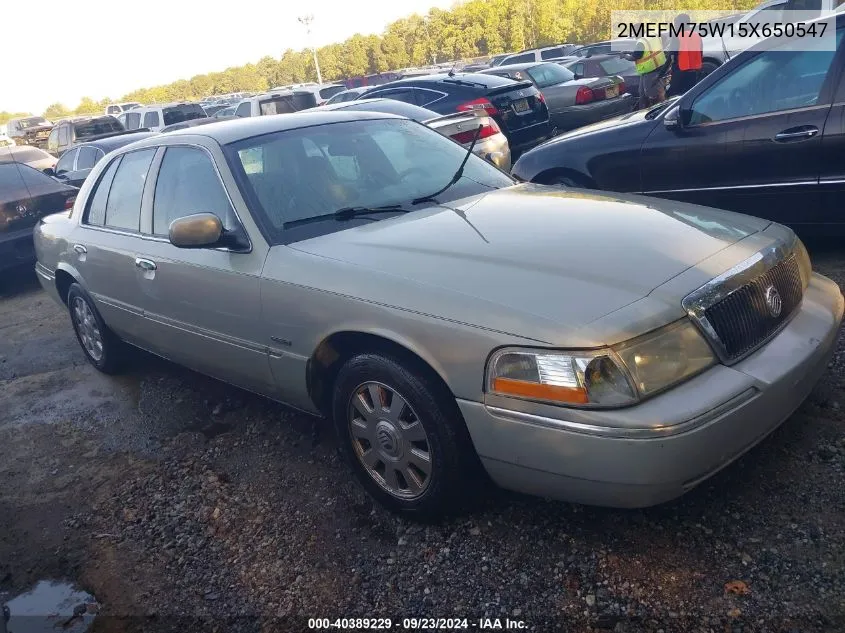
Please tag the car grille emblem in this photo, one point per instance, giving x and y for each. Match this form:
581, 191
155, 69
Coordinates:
773, 301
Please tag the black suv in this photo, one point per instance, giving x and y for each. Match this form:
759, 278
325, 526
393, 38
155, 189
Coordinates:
32, 130
517, 106
71, 132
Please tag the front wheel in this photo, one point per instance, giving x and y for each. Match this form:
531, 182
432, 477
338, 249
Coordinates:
102, 348
403, 436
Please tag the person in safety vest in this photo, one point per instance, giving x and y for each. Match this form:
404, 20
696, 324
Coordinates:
652, 67
686, 57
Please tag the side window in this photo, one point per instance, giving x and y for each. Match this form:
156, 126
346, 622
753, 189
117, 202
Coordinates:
87, 157
65, 163
188, 183
97, 202
405, 95
551, 53
132, 120
520, 59
12, 188
425, 97
53, 140
775, 80
123, 209
151, 119
63, 135
243, 109
578, 69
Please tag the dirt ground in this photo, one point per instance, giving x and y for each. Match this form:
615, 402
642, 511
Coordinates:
182, 503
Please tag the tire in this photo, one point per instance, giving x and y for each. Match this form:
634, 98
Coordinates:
567, 181
377, 439
100, 345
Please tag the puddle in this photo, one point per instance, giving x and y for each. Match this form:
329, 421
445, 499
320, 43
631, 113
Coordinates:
50, 607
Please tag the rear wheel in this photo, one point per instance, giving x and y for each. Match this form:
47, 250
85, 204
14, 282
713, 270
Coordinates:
566, 180
403, 436
102, 348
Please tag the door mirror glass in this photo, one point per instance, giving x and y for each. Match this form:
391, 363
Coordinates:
200, 230
673, 118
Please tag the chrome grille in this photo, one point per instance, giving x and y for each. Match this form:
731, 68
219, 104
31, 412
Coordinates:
743, 320
737, 311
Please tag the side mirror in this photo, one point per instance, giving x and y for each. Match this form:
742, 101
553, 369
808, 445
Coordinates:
200, 230
673, 119
50, 171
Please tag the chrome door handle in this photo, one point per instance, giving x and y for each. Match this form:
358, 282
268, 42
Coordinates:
79, 248
145, 264
806, 133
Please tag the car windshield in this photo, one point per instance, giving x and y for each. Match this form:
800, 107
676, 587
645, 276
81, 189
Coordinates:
617, 65
95, 127
34, 121
178, 114
308, 172
550, 74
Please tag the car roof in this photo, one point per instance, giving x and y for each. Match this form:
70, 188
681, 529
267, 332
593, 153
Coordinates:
111, 143
522, 66
20, 149
489, 81
596, 58
225, 132
91, 117
380, 104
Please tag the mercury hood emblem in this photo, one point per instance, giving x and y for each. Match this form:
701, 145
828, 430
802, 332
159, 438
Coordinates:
773, 301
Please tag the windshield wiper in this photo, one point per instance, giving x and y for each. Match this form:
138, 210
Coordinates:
346, 213
458, 174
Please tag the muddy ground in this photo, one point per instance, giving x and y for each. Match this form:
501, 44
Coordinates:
185, 504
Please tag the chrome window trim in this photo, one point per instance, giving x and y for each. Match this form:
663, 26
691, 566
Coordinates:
442, 96
799, 183
696, 303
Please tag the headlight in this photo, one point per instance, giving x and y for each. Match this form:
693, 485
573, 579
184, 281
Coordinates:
666, 356
572, 378
805, 268
613, 377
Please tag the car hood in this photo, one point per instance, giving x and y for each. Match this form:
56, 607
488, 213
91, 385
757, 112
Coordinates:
566, 257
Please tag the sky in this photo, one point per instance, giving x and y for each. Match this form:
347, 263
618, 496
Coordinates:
104, 52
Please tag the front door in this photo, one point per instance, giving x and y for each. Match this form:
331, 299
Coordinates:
749, 141
202, 307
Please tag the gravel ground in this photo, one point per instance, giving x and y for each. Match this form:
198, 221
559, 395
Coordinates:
169, 495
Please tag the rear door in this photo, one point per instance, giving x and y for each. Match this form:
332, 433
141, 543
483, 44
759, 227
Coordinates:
201, 306
752, 143
108, 241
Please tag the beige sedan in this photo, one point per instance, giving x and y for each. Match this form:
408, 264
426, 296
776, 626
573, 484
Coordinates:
451, 323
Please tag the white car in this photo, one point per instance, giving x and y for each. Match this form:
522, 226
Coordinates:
117, 108
280, 102
155, 117
5, 140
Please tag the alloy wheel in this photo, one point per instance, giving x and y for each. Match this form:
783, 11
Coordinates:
389, 440
89, 331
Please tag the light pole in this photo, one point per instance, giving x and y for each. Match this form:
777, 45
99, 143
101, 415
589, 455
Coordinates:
307, 20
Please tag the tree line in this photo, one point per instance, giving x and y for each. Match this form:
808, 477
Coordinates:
473, 28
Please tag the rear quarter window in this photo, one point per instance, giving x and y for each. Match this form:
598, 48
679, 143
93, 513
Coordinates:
179, 114
87, 129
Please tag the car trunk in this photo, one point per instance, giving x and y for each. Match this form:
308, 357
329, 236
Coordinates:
522, 113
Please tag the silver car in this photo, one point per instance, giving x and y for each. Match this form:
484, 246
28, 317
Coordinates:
596, 348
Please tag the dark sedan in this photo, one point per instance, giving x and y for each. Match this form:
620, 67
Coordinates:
606, 66
572, 102
75, 164
517, 106
764, 134
26, 196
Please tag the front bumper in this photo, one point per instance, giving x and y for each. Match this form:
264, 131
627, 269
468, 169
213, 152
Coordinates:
661, 448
